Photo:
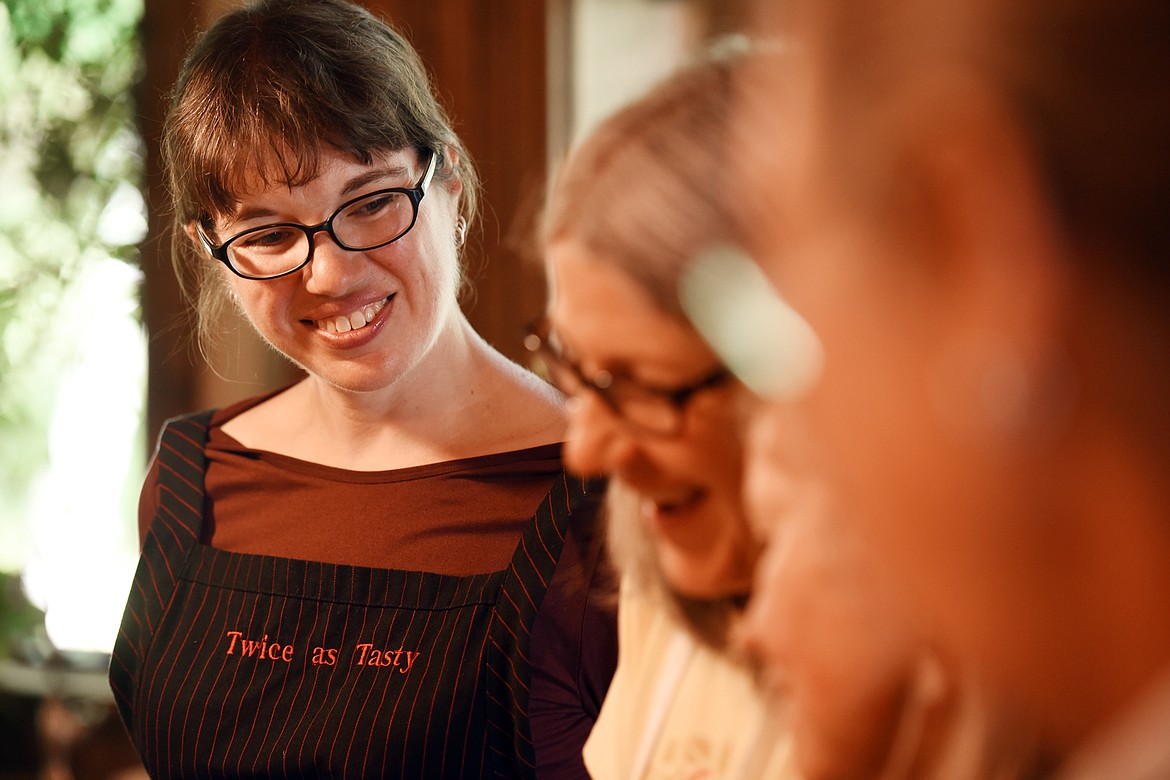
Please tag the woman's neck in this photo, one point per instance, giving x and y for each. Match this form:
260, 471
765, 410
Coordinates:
463, 399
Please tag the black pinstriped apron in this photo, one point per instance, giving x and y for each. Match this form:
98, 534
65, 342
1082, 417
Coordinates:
239, 665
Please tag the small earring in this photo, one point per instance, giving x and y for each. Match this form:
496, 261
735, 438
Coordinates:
460, 232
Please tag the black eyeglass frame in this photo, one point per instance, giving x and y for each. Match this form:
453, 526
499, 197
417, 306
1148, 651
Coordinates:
536, 340
415, 194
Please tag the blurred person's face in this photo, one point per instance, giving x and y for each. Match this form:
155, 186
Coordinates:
914, 296
688, 480
830, 648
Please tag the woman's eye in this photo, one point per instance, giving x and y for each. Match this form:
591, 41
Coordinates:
275, 238
375, 205
627, 392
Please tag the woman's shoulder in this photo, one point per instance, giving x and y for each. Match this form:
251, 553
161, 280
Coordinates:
234, 409
524, 410
216, 416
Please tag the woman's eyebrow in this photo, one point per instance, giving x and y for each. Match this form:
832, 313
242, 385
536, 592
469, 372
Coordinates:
362, 179
351, 186
252, 213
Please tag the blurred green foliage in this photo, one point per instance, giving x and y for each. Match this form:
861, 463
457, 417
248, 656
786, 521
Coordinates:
71, 168
22, 629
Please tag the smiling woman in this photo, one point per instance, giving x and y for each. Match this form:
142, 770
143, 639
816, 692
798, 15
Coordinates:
654, 408
388, 552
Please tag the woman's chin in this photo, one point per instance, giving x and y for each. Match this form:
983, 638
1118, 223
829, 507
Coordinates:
701, 578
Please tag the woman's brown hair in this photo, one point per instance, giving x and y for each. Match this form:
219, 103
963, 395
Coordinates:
266, 89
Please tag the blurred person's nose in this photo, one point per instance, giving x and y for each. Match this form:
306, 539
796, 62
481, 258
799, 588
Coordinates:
598, 442
761, 634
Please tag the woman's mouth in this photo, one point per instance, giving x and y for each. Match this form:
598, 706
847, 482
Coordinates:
355, 320
666, 506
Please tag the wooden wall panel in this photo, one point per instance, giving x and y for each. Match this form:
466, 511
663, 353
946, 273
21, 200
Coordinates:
171, 378
488, 61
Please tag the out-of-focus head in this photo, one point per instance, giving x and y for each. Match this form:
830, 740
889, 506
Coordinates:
968, 202
832, 645
652, 405
1077, 84
271, 86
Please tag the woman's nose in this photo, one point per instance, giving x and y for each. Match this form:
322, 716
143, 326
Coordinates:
332, 269
598, 443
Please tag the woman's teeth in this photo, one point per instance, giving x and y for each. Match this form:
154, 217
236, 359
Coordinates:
354, 321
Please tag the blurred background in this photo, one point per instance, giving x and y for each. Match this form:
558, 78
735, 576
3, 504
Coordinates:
94, 348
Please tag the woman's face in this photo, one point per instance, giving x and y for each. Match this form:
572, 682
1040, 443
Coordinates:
688, 482
819, 625
362, 320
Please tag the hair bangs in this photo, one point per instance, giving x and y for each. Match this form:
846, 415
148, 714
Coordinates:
266, 134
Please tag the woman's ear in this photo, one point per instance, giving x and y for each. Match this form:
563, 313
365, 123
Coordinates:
449, 172
193, 236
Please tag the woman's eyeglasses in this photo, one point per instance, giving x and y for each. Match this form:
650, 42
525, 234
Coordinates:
367, 222
657, 410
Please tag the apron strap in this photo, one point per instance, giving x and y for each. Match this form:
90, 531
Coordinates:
174, 533
572, 504
182, 465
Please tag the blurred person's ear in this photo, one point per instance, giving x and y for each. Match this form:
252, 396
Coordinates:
993, 252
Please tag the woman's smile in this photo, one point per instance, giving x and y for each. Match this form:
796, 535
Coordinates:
350, 325
670, 512
355, 320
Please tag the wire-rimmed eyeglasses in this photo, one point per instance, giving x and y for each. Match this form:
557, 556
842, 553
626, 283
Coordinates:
367, 222
657, 410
